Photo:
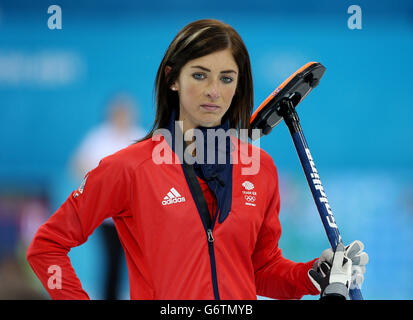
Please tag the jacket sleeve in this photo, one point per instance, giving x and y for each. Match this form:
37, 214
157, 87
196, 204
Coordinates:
275, 276
104, 193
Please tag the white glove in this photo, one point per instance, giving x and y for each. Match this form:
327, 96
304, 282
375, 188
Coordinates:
359, 259
333, 280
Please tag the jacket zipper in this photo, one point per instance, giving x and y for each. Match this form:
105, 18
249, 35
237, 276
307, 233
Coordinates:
210, 238
208, 227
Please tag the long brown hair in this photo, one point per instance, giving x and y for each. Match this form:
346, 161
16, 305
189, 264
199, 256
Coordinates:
196, 40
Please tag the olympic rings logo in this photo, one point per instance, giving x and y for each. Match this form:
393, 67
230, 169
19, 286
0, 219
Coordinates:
250, 198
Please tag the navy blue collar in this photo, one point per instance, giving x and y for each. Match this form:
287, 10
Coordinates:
218, 176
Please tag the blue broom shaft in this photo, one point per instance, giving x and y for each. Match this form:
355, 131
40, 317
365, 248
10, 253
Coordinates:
320, 197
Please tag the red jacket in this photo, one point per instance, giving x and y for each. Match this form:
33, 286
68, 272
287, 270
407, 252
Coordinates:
166, 247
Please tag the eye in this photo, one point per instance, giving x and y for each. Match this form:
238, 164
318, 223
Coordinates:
227, 79
198, 76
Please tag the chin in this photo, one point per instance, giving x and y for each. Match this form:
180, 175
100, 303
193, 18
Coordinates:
210, 124
211, 121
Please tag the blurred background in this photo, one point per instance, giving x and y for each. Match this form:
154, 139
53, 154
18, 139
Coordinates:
91, 79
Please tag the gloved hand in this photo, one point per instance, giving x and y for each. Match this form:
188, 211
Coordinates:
359, 259
333, 280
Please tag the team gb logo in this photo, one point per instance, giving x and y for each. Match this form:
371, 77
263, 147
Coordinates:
249, 195
248, 185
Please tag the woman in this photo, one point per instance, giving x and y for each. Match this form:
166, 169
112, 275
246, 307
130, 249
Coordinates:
192, 226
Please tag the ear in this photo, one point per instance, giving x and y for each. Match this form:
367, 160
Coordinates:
174, 86
167, 69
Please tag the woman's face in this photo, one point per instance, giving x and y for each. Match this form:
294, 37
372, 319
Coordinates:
206, 86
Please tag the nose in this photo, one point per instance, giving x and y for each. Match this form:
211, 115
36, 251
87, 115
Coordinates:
212, 91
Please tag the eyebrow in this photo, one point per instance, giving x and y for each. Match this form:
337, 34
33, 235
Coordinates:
206, 69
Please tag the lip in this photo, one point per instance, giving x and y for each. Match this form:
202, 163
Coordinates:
210, 106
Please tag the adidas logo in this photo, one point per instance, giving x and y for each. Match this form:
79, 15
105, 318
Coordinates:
173, 196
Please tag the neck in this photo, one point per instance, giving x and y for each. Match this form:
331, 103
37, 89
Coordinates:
188, 125
188, 128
